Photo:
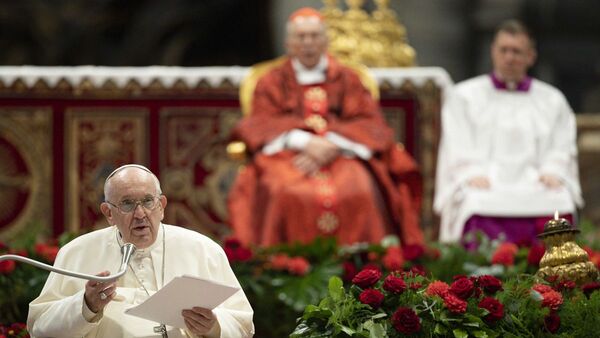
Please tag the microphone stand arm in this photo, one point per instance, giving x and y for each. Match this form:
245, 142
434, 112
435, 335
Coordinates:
127, 250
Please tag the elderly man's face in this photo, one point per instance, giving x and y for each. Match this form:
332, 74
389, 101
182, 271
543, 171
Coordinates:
307, 41
512, 55
137, 188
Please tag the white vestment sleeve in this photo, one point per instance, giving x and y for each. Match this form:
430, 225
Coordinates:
459, 158
559, 152
295, 139
58, 318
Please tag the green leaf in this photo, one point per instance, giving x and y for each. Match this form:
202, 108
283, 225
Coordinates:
347, 330
376, 330
440, 330
480, 334
336, 288
460, 333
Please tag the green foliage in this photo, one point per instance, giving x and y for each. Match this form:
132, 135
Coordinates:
317, 299
341, 314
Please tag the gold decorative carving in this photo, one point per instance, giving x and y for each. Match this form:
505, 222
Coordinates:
195, 169
563, 257
376, 40
29, 131
99, 140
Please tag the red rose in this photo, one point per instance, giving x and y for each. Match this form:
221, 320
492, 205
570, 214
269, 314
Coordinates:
239, 254
412, 251
494, 307
349, 271
437, 288
552, 322
46, 251
393, 259
505, 254
232, 242
536, 252
462, 287
394, 284
371, 297
279, 262
565, 285
367, 277
298, 266
406, 321
7, 267
489, 284
589, 288
455, 304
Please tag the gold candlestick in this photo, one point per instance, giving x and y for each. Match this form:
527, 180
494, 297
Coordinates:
564, 258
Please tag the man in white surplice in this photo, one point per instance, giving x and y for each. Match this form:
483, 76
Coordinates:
134, 206
508, 156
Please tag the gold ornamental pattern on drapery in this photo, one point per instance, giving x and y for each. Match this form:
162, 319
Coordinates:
25, 169
375, 40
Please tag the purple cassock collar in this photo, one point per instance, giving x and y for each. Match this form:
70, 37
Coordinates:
522, 86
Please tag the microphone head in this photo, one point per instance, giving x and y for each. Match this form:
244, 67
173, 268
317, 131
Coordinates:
127, 250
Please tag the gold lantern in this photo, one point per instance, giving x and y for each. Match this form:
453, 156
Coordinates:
564, 258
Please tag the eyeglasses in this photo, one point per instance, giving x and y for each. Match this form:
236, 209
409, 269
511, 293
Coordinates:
126, 206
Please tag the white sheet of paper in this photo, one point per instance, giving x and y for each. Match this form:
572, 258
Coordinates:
181, 293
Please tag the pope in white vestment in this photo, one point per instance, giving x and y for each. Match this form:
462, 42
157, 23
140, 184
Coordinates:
64, 309
510, 139
57, 312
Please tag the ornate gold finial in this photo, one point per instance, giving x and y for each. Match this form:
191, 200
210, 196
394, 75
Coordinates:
564, 258
376, 40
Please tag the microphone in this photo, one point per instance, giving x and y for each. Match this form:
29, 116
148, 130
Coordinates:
127, 251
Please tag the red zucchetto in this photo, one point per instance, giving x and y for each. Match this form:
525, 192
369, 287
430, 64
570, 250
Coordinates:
306, 14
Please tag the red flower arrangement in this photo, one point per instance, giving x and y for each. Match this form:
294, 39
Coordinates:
7, 267
295, 265
505, 254
367, 278
371, 297
462, 287
437, 288
394, 284
298, 266
235, 251
349, 271
393, 259
550, 298
455, 304
494, 307
589, 288
552, 322
489, 284
412, 252
46, 251
535, 254
406, 321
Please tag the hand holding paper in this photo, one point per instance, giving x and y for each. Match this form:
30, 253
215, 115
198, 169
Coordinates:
181, 293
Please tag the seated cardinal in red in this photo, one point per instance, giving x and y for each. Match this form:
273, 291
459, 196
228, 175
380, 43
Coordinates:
324, 161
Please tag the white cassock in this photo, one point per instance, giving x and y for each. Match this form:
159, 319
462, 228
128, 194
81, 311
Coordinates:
512, 137
60, 308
